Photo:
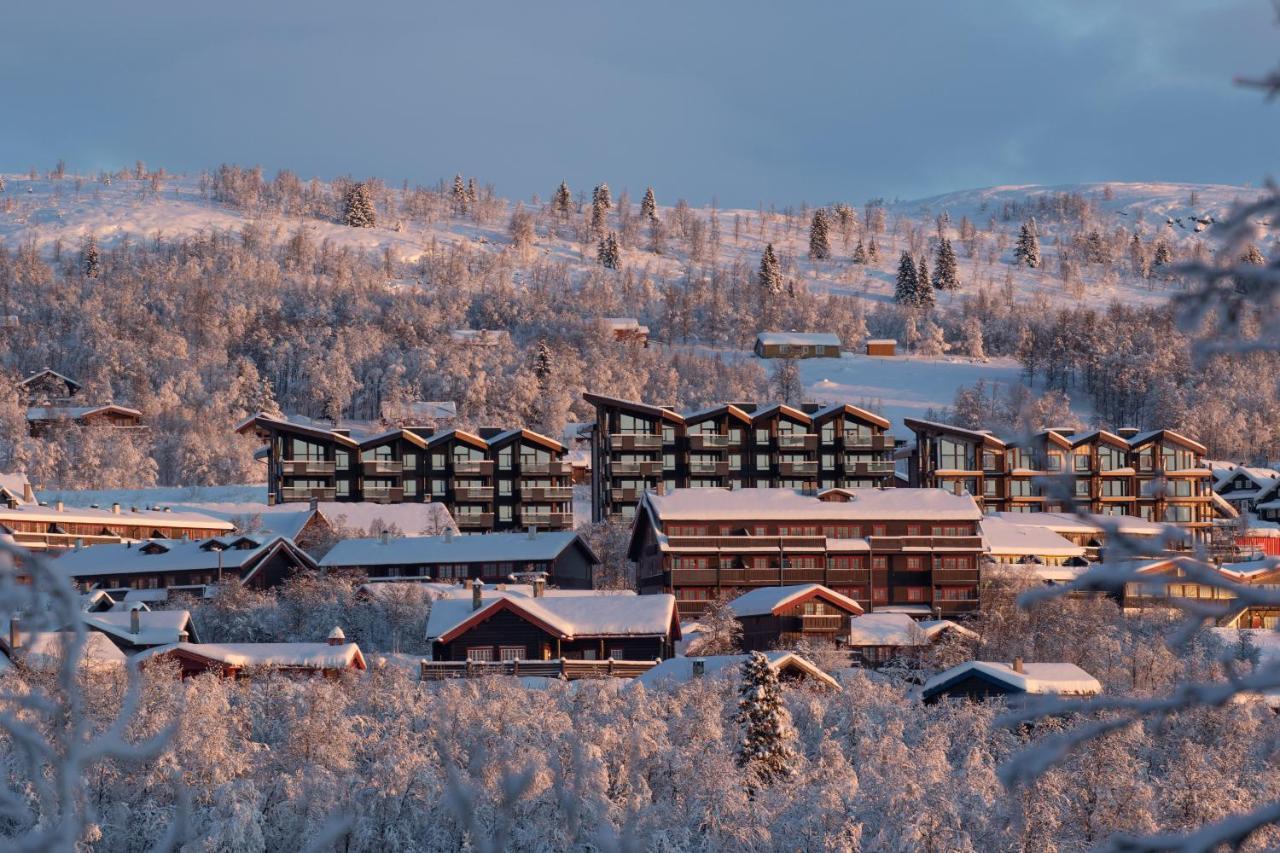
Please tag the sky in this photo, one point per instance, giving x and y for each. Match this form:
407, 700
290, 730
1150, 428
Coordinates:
742, 102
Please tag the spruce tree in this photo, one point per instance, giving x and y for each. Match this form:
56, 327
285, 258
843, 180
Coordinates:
359, 212
599, 214
608, 253
1028, 248
860, 254
819, 240
1163, 255
765, 750
89, 257
601, 196
905, 290
1253, 255
649, 205
946, 273
873, 251
472, 193
924, 285
770, 272
562, 202
459, 195
542, 363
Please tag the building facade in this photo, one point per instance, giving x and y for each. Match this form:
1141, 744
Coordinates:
915, 551
638, 447
490, 480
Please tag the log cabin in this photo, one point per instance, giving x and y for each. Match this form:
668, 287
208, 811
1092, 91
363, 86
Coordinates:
1013, 682
329, 659
775, 617
797, 345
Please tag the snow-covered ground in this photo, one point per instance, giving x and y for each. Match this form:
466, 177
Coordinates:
160, 495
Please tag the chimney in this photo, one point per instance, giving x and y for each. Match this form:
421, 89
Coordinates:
1127, 432
57, 505
385, 537
336, 637
539, 586
448, 534
183, 636
1017, 665
315, 504
533, 531
476, 587
135, 622
699, 667
15, 634
115, 508
28, 493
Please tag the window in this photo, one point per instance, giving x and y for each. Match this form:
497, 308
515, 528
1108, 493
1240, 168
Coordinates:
917, 593
880, 595
504, 487
480, 654
955, 455
669, 461
509, 653
879, 563
1055, 461
504, 458
735, 461
307, 451
411, 488
877, 530
762, 462
829, 432
1082, 488
1111, 488
343, 488
913, 564
990, 488
1082, 461
668, 434
438, 487
504, 512
341, 460
617, 653
1111, 458
411, 462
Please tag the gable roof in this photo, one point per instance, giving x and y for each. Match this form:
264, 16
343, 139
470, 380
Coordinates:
679, 670
75, 413
483, 548
633, 405
899, 629
920, 425
507, 436
849, 409
728, 409
50, 372
155, 627
759, 504
175, 555
769, 600
566, 617
1003, 538
318, 656
43, 650
1037, 678
780, 409
1176, 437
157, 519
799, 339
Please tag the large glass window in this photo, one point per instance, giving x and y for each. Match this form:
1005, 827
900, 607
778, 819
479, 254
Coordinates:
1111, 458
307, 450
955, 455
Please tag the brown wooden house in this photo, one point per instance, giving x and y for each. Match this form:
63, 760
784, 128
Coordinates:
782, 616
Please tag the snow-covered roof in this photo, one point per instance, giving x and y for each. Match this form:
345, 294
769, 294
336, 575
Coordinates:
624, 324
44, 649
166, 555
159, 519
799, 339
1005, 539
16, 485
1143, 437
569, 617
1089, 523
288, 519
72, 413
485, 337
375, 588
482, 548
155, 627
793, 504
285, 655
49, 371
1261, 477
1039, 678
770, 599
898, 629
427, 410
679, 670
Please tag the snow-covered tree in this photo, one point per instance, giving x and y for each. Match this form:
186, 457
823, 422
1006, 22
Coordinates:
946, 274
819, 238
860, 253
873, 251
973, 339
1027, 250
770, 276
608, 253
649, 205
906, 290
925, 296
720, 632
785, 381
765, 749
358, 210
933, 341
1253, 255
562, 202
459, 196
90, 263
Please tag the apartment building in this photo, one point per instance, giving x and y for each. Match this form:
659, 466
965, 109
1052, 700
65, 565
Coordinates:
1155, 476
493, 479
638, 447
903, 550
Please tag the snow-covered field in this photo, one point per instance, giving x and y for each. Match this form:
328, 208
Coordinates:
159, 495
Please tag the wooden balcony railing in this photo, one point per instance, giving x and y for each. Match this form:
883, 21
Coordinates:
289, 493
869, 468
797, 442
383, 495
547, 520
473, 466
635, 441
545, 493
297, 467
714, 469
473, 493
708, 441
626, 495
570, 670
474, 519
554, 469
869, 442
801, 469
822, 622
375, 467
636, 469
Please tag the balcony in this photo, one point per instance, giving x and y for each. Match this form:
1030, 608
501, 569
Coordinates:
473, 466
298, 467
798, 469
626, 495
378, 467
797, 442
869, 468
869, 442
473, 520
544, 493
714, 469
635, 441
289, 493
822, 623
547, 520
636, 469
552, 469
383, 495
473, 493
950, 543
708, 441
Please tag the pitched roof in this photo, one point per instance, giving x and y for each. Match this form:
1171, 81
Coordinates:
1177, 437
898, 629
1004, 538
482, 548
1089, 523
921, 425
567, 617
768, 600
73, 413
48, 371
43, 650
283, 655
799, 339
155, 627
1039, 678
791, 504
158, 519
679, 670
847, 408
170, 555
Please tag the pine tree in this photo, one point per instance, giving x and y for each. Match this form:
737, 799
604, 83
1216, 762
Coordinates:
973, 342
767, 734
819, 240
873, 251
933, 342
649, 205
359, 212
946, 273
1163, 255
599, 210
905, 290
542, 363
860, 254
459, 196
472, 193
1028, 248
924, 285
562, 202
601, 196
608, 253
1253, 255
770, 272
89, 257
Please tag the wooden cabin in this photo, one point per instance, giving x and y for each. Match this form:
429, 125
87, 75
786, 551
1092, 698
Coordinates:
329, 659
781, 616
797, 345
981, 680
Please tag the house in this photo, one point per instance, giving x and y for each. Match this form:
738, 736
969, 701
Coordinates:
1009, 543
138, 628
914, 548
1010, 681
882, 347
562, 557
40, 419
330, 659
1244, 487
497, 626
480, 337
44, 651
493, 479
627, 329
781, 616
39, 527
876, 638
436, 413
1184, 581
48, 386
797, 345
1093, 531
790, 668
189, 566
638, 447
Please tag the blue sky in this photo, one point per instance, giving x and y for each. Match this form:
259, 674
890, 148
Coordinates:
746, 102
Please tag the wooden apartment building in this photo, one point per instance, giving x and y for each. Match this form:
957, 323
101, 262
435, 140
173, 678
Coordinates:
491, 480
914, 551
638, 447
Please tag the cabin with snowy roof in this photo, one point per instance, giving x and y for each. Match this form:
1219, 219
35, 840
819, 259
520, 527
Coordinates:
330, 659
57, 527
491, 625
791, 669
797, 345
875, 639
1013, 682
782, 616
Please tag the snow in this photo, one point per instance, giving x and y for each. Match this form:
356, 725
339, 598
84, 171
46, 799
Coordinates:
158, 496
178, 555
768, 600
1006, 539
54, 413
897, 629
675, 671
287, 519
761, 504
573, 617
1089, 523
799, 339
486, 547
294, 655
155, 627
1039, 678
88, 515
43, 650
